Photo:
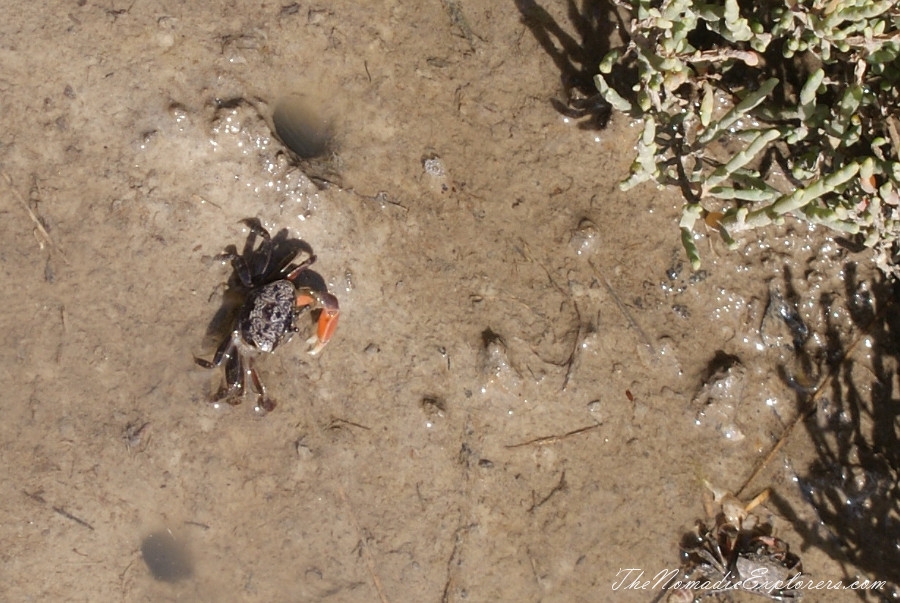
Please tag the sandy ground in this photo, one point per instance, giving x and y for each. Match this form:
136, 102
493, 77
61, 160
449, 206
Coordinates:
521, 398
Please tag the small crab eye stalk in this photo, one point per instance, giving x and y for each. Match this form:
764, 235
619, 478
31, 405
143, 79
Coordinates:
328, 317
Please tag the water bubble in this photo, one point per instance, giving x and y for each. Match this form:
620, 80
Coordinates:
585, 237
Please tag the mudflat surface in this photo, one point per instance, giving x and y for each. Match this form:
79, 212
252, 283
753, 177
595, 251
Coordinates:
528, 386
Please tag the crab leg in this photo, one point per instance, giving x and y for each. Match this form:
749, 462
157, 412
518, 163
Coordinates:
294, 271
257, 229
228, 355
328, 318
263, 402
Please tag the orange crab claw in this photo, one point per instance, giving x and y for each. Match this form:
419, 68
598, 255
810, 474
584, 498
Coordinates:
328, 318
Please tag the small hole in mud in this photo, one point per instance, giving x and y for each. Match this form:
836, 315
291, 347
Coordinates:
301, 127
166, 557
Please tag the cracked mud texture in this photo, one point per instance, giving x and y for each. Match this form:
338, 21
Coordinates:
509, 409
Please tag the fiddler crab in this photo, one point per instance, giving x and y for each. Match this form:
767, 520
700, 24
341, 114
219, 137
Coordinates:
273, 298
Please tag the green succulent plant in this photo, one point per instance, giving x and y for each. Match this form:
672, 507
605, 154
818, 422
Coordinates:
764, 110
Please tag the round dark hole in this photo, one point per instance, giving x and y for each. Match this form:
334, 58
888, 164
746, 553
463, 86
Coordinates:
167, 558
300, 127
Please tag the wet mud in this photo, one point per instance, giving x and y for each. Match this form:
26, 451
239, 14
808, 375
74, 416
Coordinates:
528, 387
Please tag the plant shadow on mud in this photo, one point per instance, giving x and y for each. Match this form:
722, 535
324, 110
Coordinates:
578, 61
852, 416
852, 421
844, 382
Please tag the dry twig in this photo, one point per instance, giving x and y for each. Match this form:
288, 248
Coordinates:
553, 439
38, 224
559, 487
634, 325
